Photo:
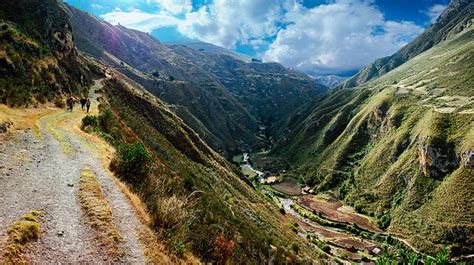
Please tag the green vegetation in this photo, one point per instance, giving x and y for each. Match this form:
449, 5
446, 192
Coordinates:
396, 156
36, 67
21, 232
179, 185
133, 162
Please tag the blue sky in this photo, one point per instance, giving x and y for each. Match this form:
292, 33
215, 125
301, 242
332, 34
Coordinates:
317, 37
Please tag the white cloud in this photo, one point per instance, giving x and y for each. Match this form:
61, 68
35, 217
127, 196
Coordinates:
174, 6
96, 6
343, 35
136, 19
434, 12
228, 22
338, 37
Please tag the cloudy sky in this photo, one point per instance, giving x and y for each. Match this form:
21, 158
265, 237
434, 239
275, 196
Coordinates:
317, 37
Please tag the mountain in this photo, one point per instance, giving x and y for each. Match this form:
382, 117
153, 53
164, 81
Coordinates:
399, 148
455, 18
209, 48
207, 90
194, 200
329, 80
267, 90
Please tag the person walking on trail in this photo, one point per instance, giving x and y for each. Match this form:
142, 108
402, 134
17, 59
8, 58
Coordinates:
70, 103
83, 102
88, 105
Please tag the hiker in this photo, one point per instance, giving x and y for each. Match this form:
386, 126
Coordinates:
83, 102
88, 104
71, 103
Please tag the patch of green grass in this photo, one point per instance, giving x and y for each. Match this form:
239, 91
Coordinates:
23, 231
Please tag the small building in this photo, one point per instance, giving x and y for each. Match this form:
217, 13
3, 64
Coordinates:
373, 250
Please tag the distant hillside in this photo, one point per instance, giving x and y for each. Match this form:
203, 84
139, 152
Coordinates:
330, 80
399, 148
268, 91
209, 48
454, 19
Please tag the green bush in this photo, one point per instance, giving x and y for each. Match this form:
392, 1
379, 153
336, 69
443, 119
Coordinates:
282, 211
106, 120
89, 121
132, 162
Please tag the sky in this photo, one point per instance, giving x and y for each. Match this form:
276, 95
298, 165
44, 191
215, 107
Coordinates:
317, 37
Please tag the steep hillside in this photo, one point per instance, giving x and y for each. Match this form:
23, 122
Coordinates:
455, 18
268, 90
399, 148
38, 60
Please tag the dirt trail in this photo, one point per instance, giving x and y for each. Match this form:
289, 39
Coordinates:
43, 173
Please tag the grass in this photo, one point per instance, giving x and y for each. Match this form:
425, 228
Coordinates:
98, 213
19, 234
50, 122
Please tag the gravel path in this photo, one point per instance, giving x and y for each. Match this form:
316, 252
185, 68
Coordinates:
41, 174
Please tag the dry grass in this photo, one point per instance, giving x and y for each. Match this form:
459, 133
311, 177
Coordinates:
99, 213
24, 118
20, 233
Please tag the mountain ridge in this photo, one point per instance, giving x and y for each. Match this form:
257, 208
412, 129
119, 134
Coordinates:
455, 18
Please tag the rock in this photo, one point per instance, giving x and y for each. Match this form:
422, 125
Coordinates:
70, 185
467, 159
60, 233
436, 158
4, 126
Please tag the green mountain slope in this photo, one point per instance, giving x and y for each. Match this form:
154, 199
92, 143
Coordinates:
399, 148
455, 18
209, 48
38, 59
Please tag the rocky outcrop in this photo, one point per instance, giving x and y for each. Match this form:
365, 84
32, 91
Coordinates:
467, 159
436, 158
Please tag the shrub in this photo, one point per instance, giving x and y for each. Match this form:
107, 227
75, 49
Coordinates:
170, 213
224, 248
59, 103
106, 120
132, 162
180, 248
294, 247
282, 211
89, 121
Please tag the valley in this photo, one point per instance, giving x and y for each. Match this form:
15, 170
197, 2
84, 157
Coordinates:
334, 229
192, 153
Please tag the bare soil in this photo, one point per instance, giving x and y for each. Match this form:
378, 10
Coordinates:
288, 186
331, 209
